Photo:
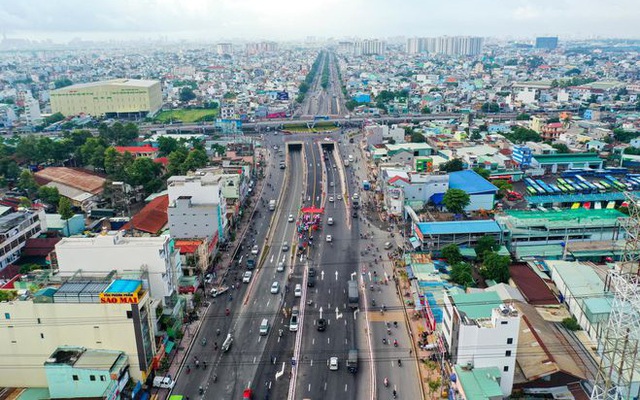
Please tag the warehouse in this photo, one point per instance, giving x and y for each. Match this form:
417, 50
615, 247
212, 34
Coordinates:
122, 98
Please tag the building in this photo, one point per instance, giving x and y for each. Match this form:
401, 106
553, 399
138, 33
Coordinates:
480, 331
547, 42
522, 155
555, 163
436, 235
369, 47
8, 116
224, 49
192, 220
15, 229
97, 313
80, 186
204, 191
449, 45
476, 384
112, 251
78, 372
116, 97
481, 192
550, 234
139, 151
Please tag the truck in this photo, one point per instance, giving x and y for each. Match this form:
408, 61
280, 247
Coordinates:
272, 205
352, 361
354, 296
215, 292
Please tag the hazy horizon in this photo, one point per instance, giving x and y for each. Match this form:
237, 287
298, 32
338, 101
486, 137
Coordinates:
215, 20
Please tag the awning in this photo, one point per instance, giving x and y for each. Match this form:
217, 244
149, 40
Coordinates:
169, 346
410, 272
415, 242
437, 198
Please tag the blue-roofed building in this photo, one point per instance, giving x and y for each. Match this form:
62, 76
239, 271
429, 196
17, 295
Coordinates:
436, 235
482, 192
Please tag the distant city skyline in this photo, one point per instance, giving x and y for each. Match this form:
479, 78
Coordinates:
211, 20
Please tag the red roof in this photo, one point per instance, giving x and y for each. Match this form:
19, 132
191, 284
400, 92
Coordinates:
147, 148
162, 160
398, 178
532, 287
77, 178
555, 125
153, 217
188, 246
39, 247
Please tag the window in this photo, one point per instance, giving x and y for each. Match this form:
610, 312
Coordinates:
103, 378
7, 315
42, 336
39, 321
75, 378
510, 341
92, 377
507, 353
129, 315
504, 322
505, 368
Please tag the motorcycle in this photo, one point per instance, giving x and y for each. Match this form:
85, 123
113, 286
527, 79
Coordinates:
386, 382
395, 394
399, 362
395, 343
373, 303
200, 390
204, 341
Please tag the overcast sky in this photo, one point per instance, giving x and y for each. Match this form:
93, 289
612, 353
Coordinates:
212, 20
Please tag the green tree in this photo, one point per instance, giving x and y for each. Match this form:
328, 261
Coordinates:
491, 107
485, 244
49, 195
93, 152
455, 200
571, 323
187, 94
166, 145
520, 134
144, 172
502, 185
53, 118
452, 165
27, 150
197, 158
523, 117
351, 104
561, 147
66, 211
451, 253
425, 110
462, 274
62, 82
496, 267
176, 160
475, 136
483, 172
417, 137
27, 182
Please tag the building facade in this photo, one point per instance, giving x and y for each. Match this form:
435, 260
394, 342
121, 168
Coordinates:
114, 97
81, 312
15, 229
547, 42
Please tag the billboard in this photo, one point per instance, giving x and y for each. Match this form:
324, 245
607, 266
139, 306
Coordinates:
282, 96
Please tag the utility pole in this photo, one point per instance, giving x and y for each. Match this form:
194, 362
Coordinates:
619, 342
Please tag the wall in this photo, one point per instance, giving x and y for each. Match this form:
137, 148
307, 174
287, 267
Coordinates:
62, 385
34, 331
480, 202
187, 220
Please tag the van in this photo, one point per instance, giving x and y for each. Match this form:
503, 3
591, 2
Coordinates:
352, 361
163, 382
264, 327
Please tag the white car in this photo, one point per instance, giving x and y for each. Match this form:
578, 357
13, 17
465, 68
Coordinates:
208, 278
339, 197
333, 363
329, 238
285, 246
254, 250
246, 278
330, 199
297, 292
275, 288
290, 219
280, 267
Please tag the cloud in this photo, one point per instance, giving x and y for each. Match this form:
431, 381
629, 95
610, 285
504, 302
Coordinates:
526, 13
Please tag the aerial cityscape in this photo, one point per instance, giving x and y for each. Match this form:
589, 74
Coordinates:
239, 200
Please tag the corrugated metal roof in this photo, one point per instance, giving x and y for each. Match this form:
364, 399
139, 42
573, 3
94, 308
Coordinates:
471, 182
75, 178
459, 227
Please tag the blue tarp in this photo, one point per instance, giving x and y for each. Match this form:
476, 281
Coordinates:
437, 198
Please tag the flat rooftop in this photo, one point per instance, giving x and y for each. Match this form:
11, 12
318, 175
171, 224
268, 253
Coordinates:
567, 158
477, 305
459, 227
112, 82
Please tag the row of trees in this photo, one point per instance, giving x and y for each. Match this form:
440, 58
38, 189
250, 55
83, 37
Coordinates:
308, 80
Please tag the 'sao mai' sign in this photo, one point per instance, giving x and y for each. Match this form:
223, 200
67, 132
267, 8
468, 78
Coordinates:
119, 298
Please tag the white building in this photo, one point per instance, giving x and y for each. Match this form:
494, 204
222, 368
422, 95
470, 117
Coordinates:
110, 251
15, 229
202, 189
480, 331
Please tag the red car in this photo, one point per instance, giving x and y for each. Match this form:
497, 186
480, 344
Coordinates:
247, 394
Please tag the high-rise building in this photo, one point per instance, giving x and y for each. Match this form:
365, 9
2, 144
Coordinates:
449, 45
547, 42
224, 49
114, 97
369, 46
262, 47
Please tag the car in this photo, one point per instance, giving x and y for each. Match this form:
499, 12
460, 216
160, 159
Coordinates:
312, 272
275, 147
255, 250
297, 292
330, 221
329, 238
333, 363
280, 267
354, 214
330, 199
321, 324
290, 219
208, 278
246, 278
332, 184
275, 288
355, 196
285, 246
339, 197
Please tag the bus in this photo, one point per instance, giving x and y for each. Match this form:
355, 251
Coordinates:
532, 190
606, 185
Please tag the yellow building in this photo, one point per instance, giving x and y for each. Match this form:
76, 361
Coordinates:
83, 312
112, 98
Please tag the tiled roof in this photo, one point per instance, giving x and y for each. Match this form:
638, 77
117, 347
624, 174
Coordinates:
39, 247
153, 217
188, 246
136, 149
75, 178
